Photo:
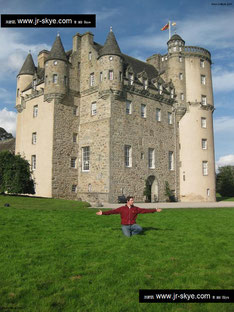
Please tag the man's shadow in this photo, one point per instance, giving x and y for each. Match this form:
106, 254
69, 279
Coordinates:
150, 228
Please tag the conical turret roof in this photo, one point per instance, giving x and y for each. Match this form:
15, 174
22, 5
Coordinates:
57, 51
28, 67
111, 46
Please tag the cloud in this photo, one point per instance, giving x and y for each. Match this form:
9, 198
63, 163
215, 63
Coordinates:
6, 96
212, 31
224, 124
223, 81
8, 120
227, 160
13, 51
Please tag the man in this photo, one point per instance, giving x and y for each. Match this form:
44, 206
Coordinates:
128, 214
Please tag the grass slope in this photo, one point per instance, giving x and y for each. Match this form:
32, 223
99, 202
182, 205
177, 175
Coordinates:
57, 255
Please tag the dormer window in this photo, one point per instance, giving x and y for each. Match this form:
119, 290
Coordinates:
172, 93
131, 79
34, 84
160, 88
145, 84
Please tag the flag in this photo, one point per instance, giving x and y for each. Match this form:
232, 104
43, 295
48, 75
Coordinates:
165, 27
173, 24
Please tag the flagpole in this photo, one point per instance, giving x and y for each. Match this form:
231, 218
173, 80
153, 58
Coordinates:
169, 30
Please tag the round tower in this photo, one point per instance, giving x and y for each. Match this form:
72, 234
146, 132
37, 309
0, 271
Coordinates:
110, 65
56, 70
25, 77
197, 170
176, 67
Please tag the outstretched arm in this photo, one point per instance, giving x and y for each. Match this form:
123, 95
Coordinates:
99, 213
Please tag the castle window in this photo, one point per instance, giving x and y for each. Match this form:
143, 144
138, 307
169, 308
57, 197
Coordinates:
17, 93
180, 76
34, 138
208, 192
145, 84
90, 56
158, 114
169, 118
120, 76
202, 63
160, 88
55, 63
34, 84
33, 162
172, 93
75, 111
174, 49
78, 65
182, 96
205, 168
65, 80
131, 79
74, 188
92, 80
143, 110
203, 100
203, 122
74, 137
35, 111
171, 160
162, 59
128, 155
93, 108
111, 75
128, 107
203, 79
55, 78
204, 144
85, 158
142, 156
73, 162
46, 79
101, 76
151, 158
180, 59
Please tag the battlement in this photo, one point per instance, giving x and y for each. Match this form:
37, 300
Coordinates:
197, 51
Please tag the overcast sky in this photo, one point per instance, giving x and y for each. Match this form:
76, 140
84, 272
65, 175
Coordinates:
136, 25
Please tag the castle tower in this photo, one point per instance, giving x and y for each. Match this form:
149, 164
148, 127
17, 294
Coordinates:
25, 77
110, 63
190, 70
176, 67
56, 71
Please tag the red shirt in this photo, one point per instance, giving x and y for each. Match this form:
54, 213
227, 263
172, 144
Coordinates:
128, 215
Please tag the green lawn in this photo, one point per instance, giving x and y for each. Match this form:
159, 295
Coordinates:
56, 255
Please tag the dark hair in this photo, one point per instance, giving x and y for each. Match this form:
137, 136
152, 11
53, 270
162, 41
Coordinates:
129, 197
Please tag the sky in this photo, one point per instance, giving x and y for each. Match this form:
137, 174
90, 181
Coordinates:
137, 26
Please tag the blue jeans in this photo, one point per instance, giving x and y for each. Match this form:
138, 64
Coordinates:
133, 229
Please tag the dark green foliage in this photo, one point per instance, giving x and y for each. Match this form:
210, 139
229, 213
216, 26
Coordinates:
15, 175
169, 193
225, 181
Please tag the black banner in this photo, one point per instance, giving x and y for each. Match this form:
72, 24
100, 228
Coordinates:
187, 295
48, 20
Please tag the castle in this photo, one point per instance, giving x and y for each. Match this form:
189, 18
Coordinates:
95, 123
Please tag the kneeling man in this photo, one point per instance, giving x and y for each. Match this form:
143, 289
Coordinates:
128, 214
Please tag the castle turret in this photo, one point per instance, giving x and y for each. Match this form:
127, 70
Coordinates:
111, 64
25, 77
56, 71
176, 67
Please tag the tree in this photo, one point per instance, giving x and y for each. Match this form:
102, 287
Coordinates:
225, 181
15, 175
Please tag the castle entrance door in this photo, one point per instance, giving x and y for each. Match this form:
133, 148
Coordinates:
152, 185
